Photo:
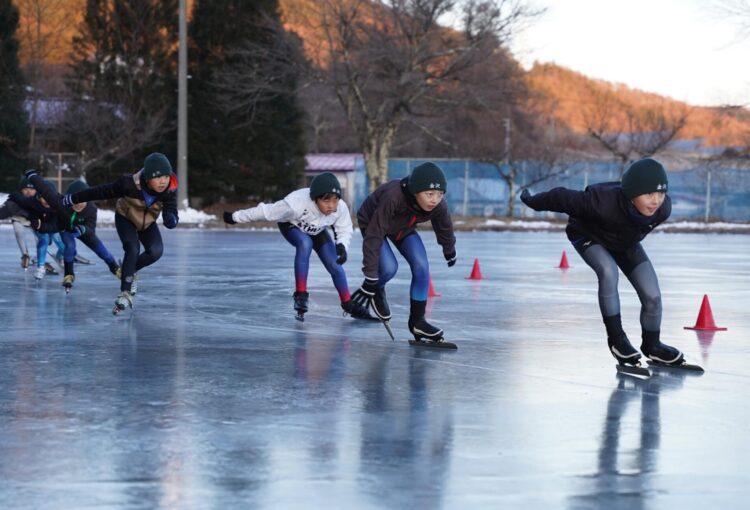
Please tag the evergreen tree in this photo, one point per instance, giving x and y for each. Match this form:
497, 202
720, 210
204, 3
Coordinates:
235, 154
124, 80
14, 129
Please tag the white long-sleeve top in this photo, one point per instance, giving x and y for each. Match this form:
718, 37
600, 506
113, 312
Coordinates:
301, 211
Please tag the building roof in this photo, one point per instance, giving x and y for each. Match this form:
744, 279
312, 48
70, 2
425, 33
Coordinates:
328, 162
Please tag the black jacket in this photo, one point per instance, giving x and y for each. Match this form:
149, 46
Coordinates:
136, 201
33, 209
391, 211
601, 213
66, 217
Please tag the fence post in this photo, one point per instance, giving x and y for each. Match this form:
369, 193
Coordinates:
708, 196
466, 186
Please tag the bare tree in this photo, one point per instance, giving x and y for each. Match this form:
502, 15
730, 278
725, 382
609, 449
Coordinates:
627, 131
44, 26
388, 62
104, 132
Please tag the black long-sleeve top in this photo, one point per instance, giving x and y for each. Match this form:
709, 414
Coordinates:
601, 213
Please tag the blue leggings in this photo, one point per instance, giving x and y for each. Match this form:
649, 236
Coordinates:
412, 248
42, 243
323, 245
89, 239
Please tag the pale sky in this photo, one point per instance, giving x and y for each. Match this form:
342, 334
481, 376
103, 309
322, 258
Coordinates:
682, 49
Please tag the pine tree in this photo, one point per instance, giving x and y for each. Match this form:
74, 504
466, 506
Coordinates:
124, 80
14, 129
233, 155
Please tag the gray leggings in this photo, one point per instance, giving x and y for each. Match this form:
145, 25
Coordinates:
638, 269
20, 230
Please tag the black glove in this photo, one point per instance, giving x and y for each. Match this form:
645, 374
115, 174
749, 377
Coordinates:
363, 295
450, 258
526, 196
79, 230
228, 218
341, 252
30, 173
35, 223
67, 199
170, 219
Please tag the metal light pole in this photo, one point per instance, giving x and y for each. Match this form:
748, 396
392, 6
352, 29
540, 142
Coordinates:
182, 173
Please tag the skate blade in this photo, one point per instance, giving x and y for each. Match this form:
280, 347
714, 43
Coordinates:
684, 366
300, 317
640, 372
387, 325
434, 345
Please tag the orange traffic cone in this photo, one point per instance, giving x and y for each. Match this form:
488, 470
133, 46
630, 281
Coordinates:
564, 261
476, 273
431, 290
705, 321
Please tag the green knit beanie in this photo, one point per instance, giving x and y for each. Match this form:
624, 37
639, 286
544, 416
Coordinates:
644, 176
427, 177
156, 165
324, 183
76, 186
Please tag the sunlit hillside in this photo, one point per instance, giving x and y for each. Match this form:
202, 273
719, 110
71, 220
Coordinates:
563, 90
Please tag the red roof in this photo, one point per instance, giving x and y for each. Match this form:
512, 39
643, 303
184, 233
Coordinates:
333, 162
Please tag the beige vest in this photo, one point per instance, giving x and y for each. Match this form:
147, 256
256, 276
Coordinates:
135, 209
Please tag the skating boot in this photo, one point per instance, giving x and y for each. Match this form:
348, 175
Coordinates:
134, 285
124, 300
67, 283
40, 272
357, 311
623, 350
425, 334
658, 352
50, 268
25, 261
300, 304
380, 305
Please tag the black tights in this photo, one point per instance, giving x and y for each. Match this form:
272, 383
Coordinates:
133, 260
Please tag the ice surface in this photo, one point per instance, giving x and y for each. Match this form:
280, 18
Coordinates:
210, 395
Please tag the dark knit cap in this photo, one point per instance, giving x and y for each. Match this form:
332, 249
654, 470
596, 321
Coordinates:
156, 165
427, 177
324, 183
644, 176
25, 183
76, 186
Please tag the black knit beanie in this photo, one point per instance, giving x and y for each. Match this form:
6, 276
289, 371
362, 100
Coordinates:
156, 165
25, 183
644, 176
324, 183
425, 177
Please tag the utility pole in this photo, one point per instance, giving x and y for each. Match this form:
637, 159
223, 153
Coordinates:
182, 168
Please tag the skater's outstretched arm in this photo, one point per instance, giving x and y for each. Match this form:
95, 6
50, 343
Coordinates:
563, 200
11, 208
53, 198
114, 189
278, 211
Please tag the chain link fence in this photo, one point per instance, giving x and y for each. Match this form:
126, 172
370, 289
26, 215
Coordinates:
699, 193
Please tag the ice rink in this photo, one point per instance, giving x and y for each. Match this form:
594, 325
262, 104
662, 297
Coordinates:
209, 395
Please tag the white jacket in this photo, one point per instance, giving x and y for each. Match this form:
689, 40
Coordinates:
300, 210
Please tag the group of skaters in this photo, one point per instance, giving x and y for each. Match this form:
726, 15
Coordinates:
606, 225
